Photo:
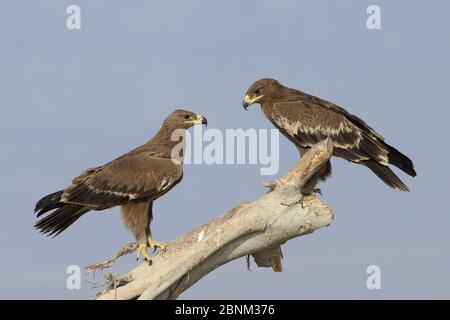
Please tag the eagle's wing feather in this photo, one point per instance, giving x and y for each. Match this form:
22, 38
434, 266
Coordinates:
357, 121
130, 177
306, 124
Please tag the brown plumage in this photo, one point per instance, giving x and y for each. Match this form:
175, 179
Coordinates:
305, 120
132, 181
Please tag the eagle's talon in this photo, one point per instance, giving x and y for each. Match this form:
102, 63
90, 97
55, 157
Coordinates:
318, 191
156, 245
142, 250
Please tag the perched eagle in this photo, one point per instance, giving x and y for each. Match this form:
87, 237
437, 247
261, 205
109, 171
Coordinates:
132, 181
305, 120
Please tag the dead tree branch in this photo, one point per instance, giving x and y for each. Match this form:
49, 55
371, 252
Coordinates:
256, 228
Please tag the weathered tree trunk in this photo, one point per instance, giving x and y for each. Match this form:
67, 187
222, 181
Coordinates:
257, 228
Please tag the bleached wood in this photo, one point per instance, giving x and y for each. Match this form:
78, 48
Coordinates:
255, 228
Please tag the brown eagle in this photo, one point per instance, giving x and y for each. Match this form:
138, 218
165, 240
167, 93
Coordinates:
132, 181
305, 120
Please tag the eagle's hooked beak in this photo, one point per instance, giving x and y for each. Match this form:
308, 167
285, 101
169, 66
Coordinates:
204, 121
248, 101
199, 120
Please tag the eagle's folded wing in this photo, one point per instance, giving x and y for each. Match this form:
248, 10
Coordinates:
307, 123
357, 121
130, 177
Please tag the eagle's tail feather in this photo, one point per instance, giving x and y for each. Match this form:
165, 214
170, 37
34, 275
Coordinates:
49, 202
61, 219
385, 174
401, 161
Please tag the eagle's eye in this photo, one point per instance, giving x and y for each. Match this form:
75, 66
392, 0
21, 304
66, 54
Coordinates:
257, 92
187, 116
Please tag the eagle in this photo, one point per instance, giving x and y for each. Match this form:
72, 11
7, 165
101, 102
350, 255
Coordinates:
133, 181
305, 120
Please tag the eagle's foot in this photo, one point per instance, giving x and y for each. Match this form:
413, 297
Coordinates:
142, 250
156, 245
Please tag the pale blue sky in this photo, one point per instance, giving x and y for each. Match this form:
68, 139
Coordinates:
74, 99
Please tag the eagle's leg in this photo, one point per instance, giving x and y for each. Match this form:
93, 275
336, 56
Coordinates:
321, 175
143, 245
150, 241
137, 217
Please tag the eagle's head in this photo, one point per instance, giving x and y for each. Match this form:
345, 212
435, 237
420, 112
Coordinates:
260, 91
184, 119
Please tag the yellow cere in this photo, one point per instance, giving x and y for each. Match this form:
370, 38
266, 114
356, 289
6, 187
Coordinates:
249, 100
